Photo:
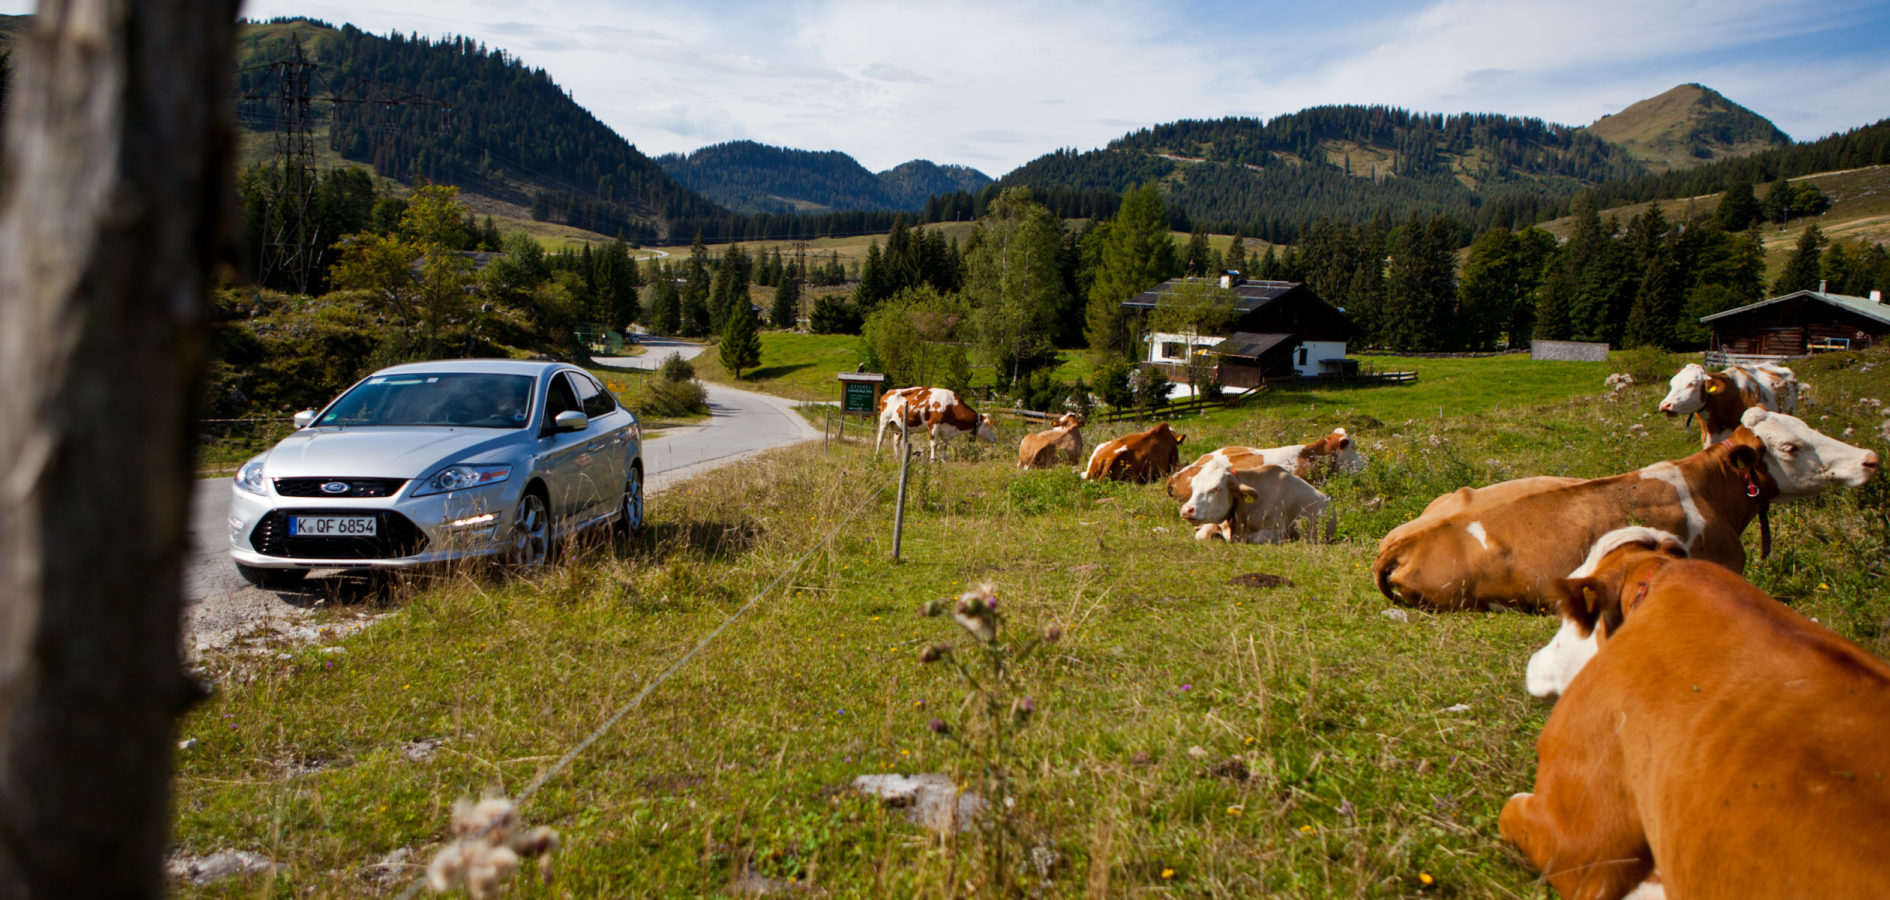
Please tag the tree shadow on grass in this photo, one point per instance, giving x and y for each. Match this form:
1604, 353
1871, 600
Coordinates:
776, 371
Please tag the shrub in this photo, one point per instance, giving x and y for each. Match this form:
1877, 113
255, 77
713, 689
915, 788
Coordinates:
664, 398
675, 368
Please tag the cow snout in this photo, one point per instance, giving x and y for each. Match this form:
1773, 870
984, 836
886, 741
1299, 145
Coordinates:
1187, 511
1870, 463
1666, 406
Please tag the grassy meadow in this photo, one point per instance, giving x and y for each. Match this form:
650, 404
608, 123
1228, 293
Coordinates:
1193, 735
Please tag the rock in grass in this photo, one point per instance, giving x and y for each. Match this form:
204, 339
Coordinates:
217, 866
1396, 615
930, 800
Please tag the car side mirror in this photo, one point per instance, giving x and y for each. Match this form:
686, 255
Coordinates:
571, 420
304, 418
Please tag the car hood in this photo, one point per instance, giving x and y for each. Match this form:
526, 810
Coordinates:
382, 452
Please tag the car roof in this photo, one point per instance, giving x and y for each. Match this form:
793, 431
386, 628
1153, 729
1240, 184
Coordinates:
476, 366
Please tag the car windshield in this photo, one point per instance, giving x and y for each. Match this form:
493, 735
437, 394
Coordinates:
467, 400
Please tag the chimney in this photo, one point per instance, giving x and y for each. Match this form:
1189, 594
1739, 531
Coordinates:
1227, 280
1820, 285
1876, 296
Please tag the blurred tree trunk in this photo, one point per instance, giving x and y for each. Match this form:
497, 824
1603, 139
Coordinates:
114, 198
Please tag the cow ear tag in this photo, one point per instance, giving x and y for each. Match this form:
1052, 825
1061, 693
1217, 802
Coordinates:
1713, 388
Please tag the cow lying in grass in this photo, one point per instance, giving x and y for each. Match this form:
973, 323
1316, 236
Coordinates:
1254, 506
1720, 398
1141, 456
1311, 461
1717, 734
1061, 444
1502, 546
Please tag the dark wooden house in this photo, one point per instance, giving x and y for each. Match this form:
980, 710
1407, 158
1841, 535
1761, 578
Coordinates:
1797, 324
1281, 329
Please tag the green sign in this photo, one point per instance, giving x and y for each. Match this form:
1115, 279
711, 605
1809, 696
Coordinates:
858, 397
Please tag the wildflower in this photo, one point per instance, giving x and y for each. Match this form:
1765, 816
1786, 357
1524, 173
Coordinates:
1187, 687
1823, 587
1021, 710
1168, 873
1235, 811
905, 753
1347, 810
1053, 633
938, 726
1426, 878
1305, 829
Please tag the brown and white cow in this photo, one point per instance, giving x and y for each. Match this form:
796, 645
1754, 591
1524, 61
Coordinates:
1717, 734
937, 410
1061, 444
1141, 456
1501, 546
1311, 461
1720, 398
1254, 506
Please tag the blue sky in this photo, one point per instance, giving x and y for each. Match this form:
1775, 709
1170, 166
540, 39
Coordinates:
993, 84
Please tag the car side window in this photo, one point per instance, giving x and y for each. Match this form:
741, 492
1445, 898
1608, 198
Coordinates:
559, 399
597, 401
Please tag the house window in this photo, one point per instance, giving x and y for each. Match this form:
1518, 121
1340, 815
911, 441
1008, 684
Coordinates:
1302, 354
1171, 350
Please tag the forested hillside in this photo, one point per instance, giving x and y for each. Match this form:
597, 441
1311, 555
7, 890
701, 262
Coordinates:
755, 178
507, 130
1349, 163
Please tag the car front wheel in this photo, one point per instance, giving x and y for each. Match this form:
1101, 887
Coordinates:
531, 533
630, 510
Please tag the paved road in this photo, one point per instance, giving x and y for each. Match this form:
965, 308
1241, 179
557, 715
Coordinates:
219, 605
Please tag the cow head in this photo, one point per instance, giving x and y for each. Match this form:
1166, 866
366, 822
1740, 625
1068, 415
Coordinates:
1686, 391
1592, 606
1800, 460
987, 430
1213, 492
1343, 451
1069, 420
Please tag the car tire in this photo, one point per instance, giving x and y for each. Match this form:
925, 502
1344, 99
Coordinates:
271, 579
531, 533
630, 506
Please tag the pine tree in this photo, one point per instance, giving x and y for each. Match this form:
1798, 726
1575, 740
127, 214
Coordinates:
1803, 267
1420, 293
1015, 283
741, 342
1137, 254
1237, 255
1738, 208
786, 313
1492, 285
1199, 259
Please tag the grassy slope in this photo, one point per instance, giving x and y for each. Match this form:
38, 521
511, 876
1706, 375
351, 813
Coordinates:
1360, 778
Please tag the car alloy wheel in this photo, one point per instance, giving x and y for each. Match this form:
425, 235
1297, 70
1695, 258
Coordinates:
630, 511
531, 533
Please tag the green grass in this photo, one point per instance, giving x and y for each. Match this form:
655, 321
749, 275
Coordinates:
1358, 779
796, 366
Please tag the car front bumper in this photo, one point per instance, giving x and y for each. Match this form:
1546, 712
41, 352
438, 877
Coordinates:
411, 531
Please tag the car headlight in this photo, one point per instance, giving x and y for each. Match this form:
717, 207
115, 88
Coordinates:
459, 478
250, 477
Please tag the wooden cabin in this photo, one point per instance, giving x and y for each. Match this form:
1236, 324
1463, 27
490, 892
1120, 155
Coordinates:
1797, 324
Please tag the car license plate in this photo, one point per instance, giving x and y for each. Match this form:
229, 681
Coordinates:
332, 526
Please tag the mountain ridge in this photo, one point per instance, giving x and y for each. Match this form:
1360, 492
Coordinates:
751, 177
1687, 126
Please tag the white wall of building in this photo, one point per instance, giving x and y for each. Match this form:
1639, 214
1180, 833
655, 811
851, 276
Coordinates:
1307, 355
1167, 347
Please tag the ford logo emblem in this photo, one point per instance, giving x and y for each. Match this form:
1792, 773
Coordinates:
336, 487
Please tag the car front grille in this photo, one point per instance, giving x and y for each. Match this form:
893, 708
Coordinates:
357, 487
397, 537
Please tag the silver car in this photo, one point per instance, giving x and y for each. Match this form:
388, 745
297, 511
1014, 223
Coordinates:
439, 461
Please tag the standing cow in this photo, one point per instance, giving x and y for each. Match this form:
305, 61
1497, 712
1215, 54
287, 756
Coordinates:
937, 410
1061, 444
1720, 398
1142, 456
